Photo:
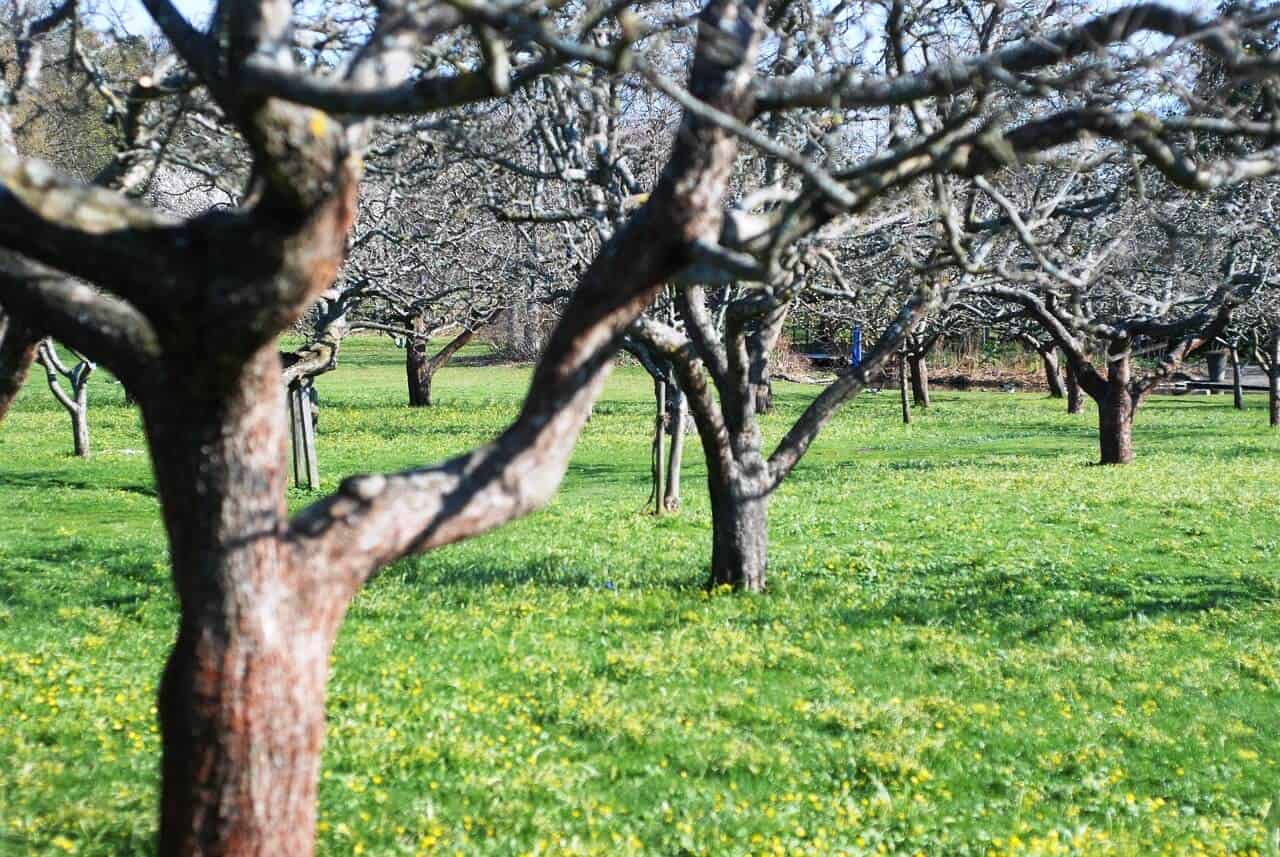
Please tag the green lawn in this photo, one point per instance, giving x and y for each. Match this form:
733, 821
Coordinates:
975, 642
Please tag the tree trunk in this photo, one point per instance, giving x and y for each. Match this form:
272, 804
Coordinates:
80, 429
764, 396
1075, 401
1237, 392
1216, 362
1273, 378
740, 535
1052, 374
241, 701
659, 437
417, 367
902, 388
919, 380
678, 410
1115, 411
760, 346
421, 370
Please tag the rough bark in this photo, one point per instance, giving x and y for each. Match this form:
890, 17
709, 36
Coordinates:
260, 597
740, 533
1115, 409
242, 697
760, 346
919, 380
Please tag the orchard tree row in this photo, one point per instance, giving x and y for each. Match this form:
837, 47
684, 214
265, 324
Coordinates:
675, 179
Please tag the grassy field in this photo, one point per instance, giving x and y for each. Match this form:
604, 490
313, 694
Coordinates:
975, 642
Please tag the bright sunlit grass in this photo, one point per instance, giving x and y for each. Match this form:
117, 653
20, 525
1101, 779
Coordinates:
975, 641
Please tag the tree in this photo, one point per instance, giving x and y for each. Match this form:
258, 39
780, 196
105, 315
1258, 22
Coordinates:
187, 313
74, 401
187, 317
1087, 281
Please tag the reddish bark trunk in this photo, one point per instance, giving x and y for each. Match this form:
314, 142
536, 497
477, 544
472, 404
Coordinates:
242, 698
241, 704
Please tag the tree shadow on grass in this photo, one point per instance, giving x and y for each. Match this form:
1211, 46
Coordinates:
50, 576
46, 480
609, 474
550, 573
1029, 604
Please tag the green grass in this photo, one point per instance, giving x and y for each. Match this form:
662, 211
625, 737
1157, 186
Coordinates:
975, 642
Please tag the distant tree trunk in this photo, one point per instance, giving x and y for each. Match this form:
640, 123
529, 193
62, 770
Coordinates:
417, 366
1053, 374
80, 423
902, 387
764, 396
919, 380
74, 401
1115, 409
1075, 402
1216, 362
1237, 391
678, 410
1273, 378
421, 370
760, 348
659, 436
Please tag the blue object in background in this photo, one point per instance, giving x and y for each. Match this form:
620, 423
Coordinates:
855, 347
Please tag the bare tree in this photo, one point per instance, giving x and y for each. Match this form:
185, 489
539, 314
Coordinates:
1083, 282
187, 316
75, 401
186, 311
